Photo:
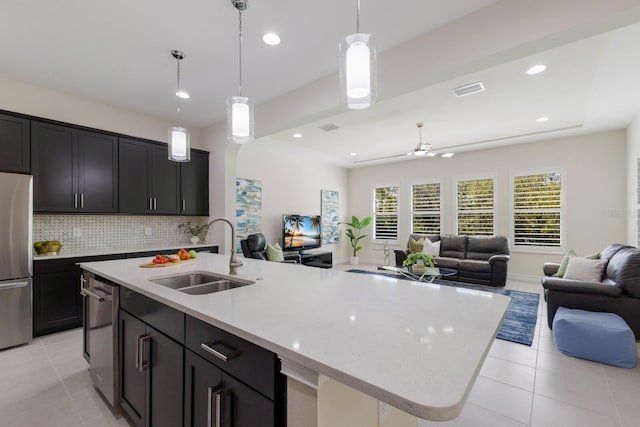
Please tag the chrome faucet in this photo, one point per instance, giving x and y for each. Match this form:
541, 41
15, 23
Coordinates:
234, 263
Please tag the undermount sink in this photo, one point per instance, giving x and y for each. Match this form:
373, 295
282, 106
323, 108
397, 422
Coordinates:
200, 282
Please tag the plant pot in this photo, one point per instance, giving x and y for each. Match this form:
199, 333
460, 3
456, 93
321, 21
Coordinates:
355, 260
194, 239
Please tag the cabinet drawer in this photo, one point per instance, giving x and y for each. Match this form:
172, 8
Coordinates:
248, 362
155, 314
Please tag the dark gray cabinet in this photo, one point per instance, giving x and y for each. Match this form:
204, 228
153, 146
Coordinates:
194, 184
210, 391
149, 181
15, 140
74, 170
251, 390
151, 370
220, 373
57, 303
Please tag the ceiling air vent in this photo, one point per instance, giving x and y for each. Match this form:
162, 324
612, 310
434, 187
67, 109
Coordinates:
329, 127
469, 89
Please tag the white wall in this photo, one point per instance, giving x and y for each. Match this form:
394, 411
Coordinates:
633, 154
595, 184
291, 182
33, 100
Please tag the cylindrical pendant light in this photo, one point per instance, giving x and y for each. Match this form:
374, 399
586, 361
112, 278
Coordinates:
239, 108
358, 75
179, 143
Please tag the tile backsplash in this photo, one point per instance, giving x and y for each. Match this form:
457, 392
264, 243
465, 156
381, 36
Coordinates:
89, 232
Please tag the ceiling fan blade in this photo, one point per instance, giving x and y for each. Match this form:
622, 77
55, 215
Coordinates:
395, 156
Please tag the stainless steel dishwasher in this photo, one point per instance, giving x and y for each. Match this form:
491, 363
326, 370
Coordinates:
102, 303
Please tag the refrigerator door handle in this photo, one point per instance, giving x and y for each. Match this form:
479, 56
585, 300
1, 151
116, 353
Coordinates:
14, 285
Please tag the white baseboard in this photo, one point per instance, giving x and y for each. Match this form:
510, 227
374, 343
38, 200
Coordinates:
528, 278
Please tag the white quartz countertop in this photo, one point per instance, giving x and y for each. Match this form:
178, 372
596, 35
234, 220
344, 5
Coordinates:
417, 347
119, 250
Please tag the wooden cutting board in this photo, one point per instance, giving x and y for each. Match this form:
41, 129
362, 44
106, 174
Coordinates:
169, 264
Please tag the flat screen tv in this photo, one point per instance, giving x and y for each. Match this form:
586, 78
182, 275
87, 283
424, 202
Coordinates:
300, 232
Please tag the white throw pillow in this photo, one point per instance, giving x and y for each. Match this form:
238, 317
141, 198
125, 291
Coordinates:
587, 270
431, 248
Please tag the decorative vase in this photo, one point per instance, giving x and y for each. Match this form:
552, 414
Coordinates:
355, 260
194, 239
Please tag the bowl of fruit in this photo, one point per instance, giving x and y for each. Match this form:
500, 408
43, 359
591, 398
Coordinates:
47, 247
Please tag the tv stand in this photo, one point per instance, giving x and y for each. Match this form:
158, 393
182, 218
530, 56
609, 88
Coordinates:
317, 259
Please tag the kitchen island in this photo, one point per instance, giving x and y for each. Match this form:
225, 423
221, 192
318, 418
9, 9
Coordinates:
416, 347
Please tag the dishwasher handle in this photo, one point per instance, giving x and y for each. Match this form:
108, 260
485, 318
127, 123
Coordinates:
90, 292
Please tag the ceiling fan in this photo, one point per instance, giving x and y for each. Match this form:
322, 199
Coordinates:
422, 150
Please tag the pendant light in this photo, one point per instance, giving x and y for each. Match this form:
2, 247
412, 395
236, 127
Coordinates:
421, 149
179, 144
239, 108
358, 75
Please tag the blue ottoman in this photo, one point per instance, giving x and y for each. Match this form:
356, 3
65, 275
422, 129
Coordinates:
601, 337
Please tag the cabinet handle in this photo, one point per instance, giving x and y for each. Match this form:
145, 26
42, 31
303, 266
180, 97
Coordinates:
75, 200
220, 353
155, 204
217, 405
81, 200
150, 204
141, 364
184, 205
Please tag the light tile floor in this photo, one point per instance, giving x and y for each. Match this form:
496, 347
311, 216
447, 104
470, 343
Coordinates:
46, 383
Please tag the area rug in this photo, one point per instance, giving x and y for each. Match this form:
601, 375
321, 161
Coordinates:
519, 324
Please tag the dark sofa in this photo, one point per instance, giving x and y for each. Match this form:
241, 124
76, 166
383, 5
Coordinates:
618, 292
477, 259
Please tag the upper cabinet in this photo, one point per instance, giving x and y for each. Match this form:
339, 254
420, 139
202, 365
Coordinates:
74, 170
149, 181
80, 170
14, 144
194, 184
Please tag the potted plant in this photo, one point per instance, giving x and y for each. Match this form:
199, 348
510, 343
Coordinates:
353, 233
194, 230
418, 261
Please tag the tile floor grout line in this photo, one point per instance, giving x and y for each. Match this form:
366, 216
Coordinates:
73, 403
535, 376
615, 405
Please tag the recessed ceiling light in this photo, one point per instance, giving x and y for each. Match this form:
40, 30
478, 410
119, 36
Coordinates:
542, 119
272, 39
536, 69
353, 154
297, 135
182, 94
447, 155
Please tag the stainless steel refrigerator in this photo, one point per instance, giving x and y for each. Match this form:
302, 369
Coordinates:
15, 259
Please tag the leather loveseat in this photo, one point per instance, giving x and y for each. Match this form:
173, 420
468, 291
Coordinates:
480, 260
618, 292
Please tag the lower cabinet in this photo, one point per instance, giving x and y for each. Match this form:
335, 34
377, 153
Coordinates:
151, 374
214, 398
176, 371
57, 302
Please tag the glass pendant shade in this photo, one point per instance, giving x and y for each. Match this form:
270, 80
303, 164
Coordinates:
179, 144
358, 79
239, 119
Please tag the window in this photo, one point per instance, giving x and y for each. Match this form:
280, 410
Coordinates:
537, 210
425, 208
385, 213
475, 203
